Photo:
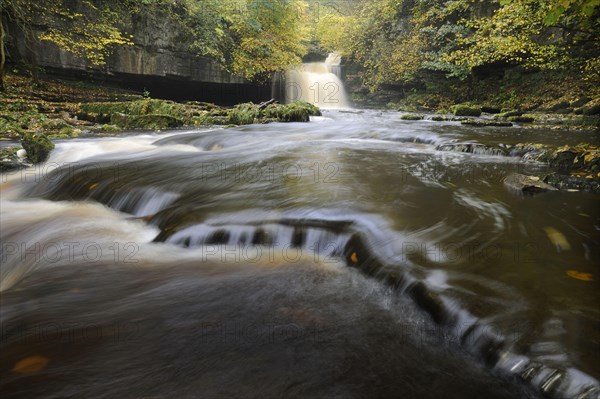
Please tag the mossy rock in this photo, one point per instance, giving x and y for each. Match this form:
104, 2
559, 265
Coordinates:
439, 118
9, 160
38, 146
580, 102
522, 119
411, 117
508, 114
108, 128
485, 123
556, 105
244, 114
466, 110
591, 109
105, 108
149, 122
298, 111
55, 124
490, 109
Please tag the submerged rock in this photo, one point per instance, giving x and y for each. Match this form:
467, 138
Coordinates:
565, 182
473, 148
485, 122
527, 184
521, 119
411, 117
12, 158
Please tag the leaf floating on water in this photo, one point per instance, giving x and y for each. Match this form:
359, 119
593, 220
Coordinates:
580, 275
557, 238
354, 257
93, 186
31, 364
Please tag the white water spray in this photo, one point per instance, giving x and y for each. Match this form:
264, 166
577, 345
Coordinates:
318, 83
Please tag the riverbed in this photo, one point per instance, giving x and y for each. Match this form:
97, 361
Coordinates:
344, 257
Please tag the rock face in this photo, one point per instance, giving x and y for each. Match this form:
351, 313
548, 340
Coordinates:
527, 184
159, 62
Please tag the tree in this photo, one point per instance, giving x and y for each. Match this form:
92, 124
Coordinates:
404, 41
251, 38
87, 29
268, 36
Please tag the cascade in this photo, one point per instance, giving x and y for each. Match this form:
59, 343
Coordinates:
318, 83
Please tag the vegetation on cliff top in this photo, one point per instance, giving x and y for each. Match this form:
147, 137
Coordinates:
250, 38
401, 41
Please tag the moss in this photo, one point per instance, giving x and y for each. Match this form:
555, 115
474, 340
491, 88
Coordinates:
591, 109
522, 119
105, 108
411, 117
466, 110
244, 114
439, 118
298, 111
490, 109
149, 122
54, 124
9, 160
508, 114
484, 123
69, 131
38, 146
107, 128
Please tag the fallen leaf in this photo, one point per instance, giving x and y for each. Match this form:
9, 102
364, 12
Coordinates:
354, 257
93, 186
557, 238
579, 275
31, 364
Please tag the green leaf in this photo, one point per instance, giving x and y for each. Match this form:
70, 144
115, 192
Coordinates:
553, 15
588, 7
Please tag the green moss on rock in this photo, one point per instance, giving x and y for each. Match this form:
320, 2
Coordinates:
522, 119
411, 117
244, 114
484, 123
38, 146
508, 114
466, 110
149, 122
299, 111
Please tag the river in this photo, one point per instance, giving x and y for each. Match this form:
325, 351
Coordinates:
344, 257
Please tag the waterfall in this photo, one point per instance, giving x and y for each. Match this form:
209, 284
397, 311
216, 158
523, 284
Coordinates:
318, 83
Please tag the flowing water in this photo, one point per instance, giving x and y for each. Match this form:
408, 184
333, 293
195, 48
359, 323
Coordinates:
318, 83
344, 257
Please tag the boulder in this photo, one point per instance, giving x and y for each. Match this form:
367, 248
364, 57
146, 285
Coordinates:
38, 146
466, 110
527, 184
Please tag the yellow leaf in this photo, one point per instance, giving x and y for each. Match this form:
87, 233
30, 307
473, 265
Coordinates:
354, 257
579, 275
93, 186
31, 364
557, 238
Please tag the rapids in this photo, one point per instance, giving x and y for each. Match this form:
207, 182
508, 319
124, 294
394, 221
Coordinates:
346, 257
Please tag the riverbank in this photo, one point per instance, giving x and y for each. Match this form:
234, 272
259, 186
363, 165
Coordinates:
61, 109
542, 99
